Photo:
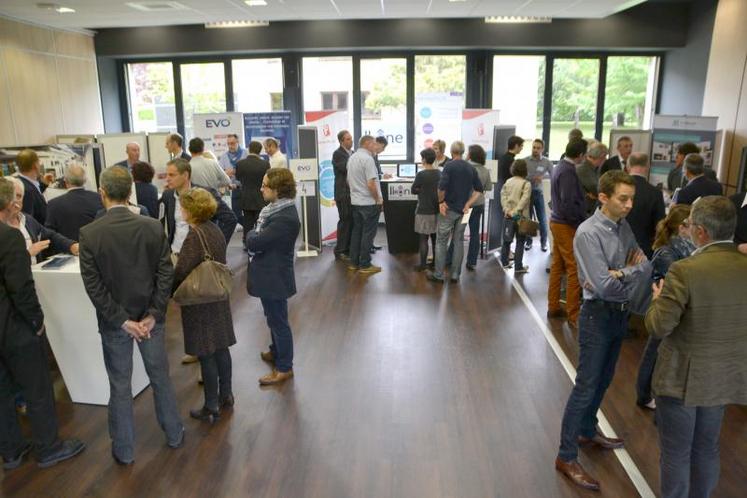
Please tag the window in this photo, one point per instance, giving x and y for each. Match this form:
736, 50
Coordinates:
151, 96
440, 82
574, 101
519, 91
257, 85
629, 93
384, 104
327, 82
203, 90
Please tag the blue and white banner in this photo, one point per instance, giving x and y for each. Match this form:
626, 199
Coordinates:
261, 125
214, 128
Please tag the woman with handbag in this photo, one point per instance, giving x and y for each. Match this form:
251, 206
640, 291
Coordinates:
208, 327
271, 247
515, 196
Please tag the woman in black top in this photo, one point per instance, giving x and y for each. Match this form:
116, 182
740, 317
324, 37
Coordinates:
147, 194
426, 214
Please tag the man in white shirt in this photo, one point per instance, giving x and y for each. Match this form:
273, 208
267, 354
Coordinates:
366, 200
206, 172
277, 158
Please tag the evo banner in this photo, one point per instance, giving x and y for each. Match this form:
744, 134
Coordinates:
214, 128
261, 125
328, 124
477, 128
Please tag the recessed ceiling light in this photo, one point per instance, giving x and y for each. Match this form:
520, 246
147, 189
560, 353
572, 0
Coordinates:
65, 10
57, 8
256, 3
516, 19
235, 24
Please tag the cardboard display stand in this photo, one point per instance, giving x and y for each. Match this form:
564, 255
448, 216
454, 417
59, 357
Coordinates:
306, 173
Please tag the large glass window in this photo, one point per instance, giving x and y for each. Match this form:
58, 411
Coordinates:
257, 85
440, 82
151, 95
629, 93
574, 101
384, 104
203, 90
328, 85
519, 91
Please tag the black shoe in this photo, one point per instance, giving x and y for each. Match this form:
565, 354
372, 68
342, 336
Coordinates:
544, 247
419, 268
13, 462
528, 246
66, 449
372, 251
120, 461
470, 267
433, 278
205, 414
376, 248
179, 442
342, 257
227, 401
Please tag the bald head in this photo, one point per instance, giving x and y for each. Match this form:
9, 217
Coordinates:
638, 163
133, 152
75, 175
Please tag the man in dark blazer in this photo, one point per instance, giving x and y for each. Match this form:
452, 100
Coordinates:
648, 204
23, 359
676, 177
178, 180
619, 161
699, 312
342, 195
77, 208
175, 146
29, 172
740, 234
698, 184
249, 172
125, 263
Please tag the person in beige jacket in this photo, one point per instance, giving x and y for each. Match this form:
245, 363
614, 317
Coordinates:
515, 196
700, 312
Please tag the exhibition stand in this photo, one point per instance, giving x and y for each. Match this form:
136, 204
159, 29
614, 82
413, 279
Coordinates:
72, 330
399, 211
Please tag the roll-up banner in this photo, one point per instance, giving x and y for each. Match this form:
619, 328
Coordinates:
477, 128
670, 132
261, 125
328, 124
214, 128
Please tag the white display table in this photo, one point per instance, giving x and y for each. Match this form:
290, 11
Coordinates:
72, 330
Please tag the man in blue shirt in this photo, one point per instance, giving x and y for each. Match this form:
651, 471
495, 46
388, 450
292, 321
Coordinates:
610, 264
227, 161
459, 188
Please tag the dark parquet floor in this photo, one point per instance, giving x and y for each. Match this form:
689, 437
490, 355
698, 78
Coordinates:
403, 388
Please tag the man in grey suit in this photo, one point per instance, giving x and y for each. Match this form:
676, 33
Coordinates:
125, 262
699, 311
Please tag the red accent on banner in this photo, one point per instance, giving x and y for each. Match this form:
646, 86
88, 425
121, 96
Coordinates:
312, 116
473, 113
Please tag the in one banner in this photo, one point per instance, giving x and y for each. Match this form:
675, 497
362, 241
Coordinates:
477, 128
261, 125
670, 132
437, 116
329, 123
214, 128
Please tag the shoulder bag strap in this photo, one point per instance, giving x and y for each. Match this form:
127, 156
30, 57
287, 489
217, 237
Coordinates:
203, 243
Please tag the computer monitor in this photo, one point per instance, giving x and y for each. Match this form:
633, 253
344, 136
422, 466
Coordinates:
407, 170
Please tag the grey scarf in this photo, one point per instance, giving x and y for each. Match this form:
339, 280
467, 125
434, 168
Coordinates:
270, 210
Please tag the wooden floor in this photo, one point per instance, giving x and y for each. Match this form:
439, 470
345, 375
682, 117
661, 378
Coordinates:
403, 388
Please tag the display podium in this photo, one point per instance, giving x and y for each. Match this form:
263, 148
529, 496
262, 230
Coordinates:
399, 212
72, 330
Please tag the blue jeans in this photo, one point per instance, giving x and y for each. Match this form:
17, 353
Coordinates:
646, 371
688, 438
540, 214
276, 313
600, 334
117, 346
450, 227
474, 234
365, 221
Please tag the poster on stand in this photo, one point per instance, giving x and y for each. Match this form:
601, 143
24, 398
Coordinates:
214, 128
641, 140
54, 159
669, 132
477, 128
438, 116
262, 125
328, 124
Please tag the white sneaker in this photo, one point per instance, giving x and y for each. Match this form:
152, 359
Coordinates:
651, 405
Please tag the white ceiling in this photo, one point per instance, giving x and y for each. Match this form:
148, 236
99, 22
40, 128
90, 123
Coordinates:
91, 14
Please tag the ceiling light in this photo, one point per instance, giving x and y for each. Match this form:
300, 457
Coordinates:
65, 10
57, 8
455, 1
236, 24
517, 19
256, 3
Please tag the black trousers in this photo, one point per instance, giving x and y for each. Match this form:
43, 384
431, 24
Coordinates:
344, 226
216, 377
250, 219
25, 365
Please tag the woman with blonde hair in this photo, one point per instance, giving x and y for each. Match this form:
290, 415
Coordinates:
208, 328
671, 243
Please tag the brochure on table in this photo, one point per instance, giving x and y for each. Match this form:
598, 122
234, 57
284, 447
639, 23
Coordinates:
669, 132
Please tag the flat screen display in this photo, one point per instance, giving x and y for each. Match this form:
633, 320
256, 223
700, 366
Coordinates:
407, 170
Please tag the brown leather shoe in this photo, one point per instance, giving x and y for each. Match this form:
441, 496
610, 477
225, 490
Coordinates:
275, 377
576, 473
267, 356
188, 358
608, 443
558, 313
